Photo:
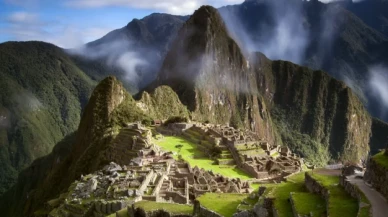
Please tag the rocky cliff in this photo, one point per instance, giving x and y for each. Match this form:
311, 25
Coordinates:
208, 71
315, 114
327, 114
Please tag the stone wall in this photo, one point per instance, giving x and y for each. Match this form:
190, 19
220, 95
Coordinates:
158, 186
145, 182
200, 211
377, 175
177, 197
139, 212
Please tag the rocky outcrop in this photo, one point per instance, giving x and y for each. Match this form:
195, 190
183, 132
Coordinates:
377, 175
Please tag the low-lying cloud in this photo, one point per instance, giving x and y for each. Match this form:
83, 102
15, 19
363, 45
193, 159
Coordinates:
119, 54
176, 7
283, 37
377, 84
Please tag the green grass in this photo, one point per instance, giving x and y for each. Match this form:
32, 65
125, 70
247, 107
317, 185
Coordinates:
381, 159
122, 213
226, 204
169, 207
307, 202
281, 193
188, 152
340, 203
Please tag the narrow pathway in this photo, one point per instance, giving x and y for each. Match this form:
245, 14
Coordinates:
378, 202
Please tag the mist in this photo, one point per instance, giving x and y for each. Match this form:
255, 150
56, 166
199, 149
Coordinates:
134, 64
377, 85
28, 102
284, 36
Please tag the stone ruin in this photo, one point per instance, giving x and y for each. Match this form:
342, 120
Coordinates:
242, 147
154, 175
159, 178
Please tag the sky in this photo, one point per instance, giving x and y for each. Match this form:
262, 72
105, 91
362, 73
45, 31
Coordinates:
71, 23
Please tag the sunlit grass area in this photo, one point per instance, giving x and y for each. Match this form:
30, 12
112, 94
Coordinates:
224, 204
195, 157
306, 203
340, 203
170, 207
282, 194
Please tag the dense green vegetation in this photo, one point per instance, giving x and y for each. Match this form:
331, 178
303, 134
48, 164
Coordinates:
224, 204
382, 159
314, 152
191, 154
42, 93
314, 112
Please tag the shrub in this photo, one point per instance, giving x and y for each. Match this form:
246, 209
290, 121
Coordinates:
176, 119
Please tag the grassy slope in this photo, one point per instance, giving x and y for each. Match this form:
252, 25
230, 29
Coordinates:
226, 204
42, 93
195, 157
305, 203
171, 208
340, 202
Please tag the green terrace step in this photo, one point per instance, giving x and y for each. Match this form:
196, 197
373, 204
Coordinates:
305, 203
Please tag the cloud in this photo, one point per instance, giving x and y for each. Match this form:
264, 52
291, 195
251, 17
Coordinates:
26, 26
122, 55
283, 37
24, 17
177, 7
379, 89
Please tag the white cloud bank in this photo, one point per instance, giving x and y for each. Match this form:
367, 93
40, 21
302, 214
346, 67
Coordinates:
176, 7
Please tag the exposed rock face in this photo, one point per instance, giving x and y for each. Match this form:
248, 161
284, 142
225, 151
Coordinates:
207, 70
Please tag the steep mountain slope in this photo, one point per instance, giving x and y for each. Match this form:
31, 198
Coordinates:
321, 36
372, 12
42, 93
93, 145
211, 76
133, 53
315, 114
